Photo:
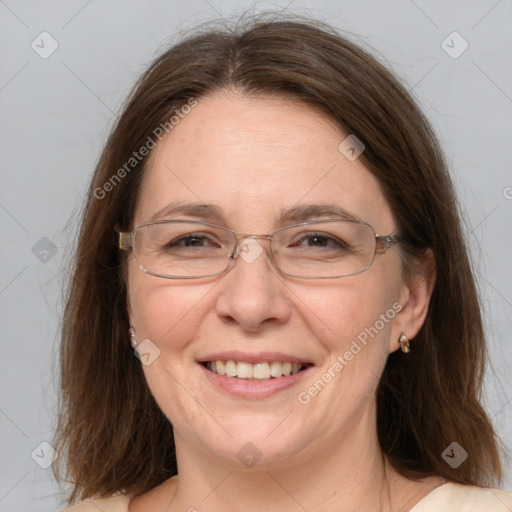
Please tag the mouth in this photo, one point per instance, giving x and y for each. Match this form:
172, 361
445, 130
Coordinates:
261, 371
253, 375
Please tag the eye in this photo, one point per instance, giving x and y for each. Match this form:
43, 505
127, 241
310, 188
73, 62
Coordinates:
191, 240
320, 240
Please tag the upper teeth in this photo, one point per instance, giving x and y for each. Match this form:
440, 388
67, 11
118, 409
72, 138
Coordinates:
244, 370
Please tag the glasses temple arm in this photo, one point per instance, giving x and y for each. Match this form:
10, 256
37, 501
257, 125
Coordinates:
125, 242
386, 241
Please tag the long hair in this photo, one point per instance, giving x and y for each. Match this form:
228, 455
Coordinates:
111, 434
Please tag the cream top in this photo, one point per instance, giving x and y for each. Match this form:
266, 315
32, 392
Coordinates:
448, 497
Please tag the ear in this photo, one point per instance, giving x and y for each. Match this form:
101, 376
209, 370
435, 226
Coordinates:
416, 291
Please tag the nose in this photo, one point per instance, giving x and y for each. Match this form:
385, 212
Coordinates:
252, 291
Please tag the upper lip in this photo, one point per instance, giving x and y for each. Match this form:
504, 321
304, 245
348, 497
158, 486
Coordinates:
253, 358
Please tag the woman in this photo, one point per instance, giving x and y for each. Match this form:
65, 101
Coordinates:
272, 232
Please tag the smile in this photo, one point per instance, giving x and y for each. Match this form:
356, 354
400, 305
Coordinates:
255, 375
260, 371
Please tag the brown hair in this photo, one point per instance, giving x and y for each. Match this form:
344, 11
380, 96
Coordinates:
111, 434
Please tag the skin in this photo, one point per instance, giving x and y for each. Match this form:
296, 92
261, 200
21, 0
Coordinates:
251, 156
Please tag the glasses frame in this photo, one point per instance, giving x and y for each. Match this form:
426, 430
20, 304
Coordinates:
126, 243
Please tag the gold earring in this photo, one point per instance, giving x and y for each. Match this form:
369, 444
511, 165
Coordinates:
404, 343
133, 341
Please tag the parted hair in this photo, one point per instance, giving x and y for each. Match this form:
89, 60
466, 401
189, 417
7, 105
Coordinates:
111, 435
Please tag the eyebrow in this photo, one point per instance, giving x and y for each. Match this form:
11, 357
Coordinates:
298, 213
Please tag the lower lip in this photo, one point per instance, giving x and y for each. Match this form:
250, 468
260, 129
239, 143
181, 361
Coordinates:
252, 388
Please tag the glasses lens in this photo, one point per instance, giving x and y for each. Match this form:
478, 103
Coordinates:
182, 249
194, 249
325, 249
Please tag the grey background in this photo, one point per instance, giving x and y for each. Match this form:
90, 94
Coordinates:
55, 113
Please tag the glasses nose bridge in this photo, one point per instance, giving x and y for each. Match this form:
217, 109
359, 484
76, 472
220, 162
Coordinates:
240, 237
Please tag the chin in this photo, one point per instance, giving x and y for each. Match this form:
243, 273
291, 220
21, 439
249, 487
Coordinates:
255, 441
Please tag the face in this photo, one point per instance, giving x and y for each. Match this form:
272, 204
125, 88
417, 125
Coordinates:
250, 158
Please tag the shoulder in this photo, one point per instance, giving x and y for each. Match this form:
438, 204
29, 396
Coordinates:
470, 498
115, 503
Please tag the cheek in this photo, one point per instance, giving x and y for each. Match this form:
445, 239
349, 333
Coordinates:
341, 313
165, 312
169, 315
353, 322
356, 324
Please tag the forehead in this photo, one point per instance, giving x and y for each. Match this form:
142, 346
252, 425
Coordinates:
254, 157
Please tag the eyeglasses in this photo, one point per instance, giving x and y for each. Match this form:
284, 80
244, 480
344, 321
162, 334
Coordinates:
188, 249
